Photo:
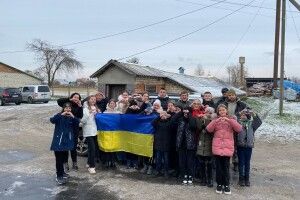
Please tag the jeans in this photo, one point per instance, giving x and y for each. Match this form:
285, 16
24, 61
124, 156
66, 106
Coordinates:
244, 154
91, 141
162, 160
60, 157
186, 162
222, 170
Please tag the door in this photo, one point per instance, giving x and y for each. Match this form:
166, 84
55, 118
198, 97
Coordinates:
115, 91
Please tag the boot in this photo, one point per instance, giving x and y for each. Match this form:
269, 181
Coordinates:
247, 181
242, 181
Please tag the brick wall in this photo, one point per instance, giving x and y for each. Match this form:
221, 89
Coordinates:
9, 79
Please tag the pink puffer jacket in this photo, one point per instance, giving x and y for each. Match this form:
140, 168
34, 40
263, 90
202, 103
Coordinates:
223, 143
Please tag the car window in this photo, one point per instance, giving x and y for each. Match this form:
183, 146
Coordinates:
13, 90
31, 89
43, 89
25, 89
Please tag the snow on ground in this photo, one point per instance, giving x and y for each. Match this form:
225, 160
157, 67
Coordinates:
275, 127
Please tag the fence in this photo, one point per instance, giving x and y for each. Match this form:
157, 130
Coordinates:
65, 91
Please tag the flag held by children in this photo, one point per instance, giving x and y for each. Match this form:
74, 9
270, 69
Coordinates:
126, 132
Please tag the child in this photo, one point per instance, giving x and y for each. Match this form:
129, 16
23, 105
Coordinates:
245, 142
110, 157
186, 145
223, 128
204, 150
208, 100
76, 109
63, 139
89, 128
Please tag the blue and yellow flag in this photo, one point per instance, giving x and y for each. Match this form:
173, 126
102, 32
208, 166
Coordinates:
126, 132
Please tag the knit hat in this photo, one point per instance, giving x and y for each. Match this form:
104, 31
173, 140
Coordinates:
157, 101
224, 90
231, 91
248, 112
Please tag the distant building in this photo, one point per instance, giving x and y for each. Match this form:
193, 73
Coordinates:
115, 77
13, 77
250, 81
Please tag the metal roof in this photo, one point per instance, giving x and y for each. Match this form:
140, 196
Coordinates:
198, 84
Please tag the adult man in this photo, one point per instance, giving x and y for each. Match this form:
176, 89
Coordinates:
224, 96
184, 102
234, 106
163, 97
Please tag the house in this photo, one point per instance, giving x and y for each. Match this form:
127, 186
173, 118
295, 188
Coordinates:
13, 77
115, 77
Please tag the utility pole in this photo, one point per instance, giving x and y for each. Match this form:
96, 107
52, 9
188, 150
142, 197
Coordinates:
242, 62
276, 48
282, 56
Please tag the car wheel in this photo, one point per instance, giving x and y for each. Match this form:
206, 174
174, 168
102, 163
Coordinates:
30, 100
1, 102
82, 147
18, 103
46, 101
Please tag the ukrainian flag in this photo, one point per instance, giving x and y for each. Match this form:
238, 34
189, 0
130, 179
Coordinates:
126, 132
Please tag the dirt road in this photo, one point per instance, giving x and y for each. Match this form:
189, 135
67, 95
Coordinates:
27, 168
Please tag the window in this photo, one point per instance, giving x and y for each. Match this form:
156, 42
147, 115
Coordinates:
151, 88
43, 89
25, 89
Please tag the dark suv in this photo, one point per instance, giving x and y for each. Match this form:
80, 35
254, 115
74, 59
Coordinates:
10, 95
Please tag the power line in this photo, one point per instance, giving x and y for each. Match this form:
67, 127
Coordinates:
130, 30
222, 8
253, 6
186, 35
240, 40
295, 26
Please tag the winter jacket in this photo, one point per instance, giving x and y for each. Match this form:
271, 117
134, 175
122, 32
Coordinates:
76, 110
183, 104
186, 133
102, 104
89, 127
164, 102
63, 137
246, 136
239, 106
162, 134
209, 103
205, 139
223, 142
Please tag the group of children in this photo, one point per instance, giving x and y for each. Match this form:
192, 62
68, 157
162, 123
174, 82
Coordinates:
190, 138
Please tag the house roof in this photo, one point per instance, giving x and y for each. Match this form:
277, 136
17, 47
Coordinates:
20, 71
197, 84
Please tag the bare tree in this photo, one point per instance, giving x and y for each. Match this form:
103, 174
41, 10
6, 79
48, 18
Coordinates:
53, 59
234, 72
199, 71
133, 60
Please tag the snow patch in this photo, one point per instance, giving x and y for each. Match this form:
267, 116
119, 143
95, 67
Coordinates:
10, 191
56, 190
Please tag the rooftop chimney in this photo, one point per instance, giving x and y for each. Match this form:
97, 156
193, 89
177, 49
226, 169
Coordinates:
181, 70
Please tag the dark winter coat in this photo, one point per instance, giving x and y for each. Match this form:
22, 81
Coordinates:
186, 133
205, 139
162, 134
102, 104
164, 102
239, 106
76, 110
63, 137
183, 104
209, 103
246, 137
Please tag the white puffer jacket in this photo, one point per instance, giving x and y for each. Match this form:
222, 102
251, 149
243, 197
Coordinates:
89, 127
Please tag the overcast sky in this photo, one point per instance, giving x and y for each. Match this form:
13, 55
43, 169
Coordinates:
67, 21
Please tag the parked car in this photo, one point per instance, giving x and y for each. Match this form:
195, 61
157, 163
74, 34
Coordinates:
10, 95
36, 93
